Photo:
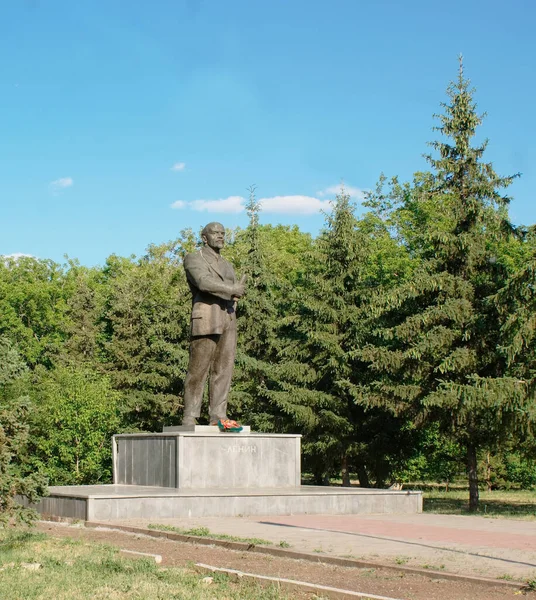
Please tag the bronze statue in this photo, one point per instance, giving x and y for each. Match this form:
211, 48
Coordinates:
213, 326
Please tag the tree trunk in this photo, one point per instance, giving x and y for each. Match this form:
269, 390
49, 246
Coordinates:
363, 476
472, 475
488, 472
345, 473
318, 477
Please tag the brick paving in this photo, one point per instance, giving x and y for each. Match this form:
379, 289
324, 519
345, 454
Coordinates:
502, 548
421, 530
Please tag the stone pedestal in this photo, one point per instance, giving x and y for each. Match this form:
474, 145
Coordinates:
207, 460
115, 502
200, 472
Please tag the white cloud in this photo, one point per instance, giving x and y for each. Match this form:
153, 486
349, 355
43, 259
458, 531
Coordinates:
17, 255
294, 205
289, 205
9, 259
179, 166
62, 183
232, 204
333, 190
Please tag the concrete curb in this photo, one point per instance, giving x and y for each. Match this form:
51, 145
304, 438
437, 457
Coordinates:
156, 557
293, 584
316, 558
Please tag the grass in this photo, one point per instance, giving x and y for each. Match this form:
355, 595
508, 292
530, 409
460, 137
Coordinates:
506, 577
433, 567
498, 503
509, 504
206, 533
74, 569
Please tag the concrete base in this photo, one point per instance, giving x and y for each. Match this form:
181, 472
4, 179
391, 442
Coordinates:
208, 474
207, 460
113, 502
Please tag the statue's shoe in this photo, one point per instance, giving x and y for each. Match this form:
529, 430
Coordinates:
189, 421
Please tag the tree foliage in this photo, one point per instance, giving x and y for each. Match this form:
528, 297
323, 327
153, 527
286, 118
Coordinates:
146, 322
435, 356
76, 414
32, 307
14, 416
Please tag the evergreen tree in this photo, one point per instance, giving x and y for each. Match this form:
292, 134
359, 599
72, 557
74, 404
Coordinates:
320, 374
435, 356
147, 318
309, 391
83, 322
14, 416
257, 311
257, 325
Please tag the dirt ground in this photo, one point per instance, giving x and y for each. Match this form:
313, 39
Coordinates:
399, 586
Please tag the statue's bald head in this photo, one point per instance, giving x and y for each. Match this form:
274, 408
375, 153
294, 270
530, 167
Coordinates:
213, 235
211, 226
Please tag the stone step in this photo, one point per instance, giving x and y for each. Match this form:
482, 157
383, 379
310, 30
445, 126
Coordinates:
112, 502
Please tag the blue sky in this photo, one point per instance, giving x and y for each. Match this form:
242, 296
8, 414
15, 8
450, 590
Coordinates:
124, 122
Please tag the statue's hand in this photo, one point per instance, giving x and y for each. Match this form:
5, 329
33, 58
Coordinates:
239, 288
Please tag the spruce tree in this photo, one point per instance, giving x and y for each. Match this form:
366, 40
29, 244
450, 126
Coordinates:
435, 354
310, 393
257, 324
83, 321
146, 319
316, 378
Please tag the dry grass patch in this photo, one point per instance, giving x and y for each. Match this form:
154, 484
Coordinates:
37, 567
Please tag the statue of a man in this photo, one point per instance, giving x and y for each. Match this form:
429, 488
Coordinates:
213, 326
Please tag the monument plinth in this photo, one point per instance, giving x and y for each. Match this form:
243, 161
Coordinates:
207, 459
206, 473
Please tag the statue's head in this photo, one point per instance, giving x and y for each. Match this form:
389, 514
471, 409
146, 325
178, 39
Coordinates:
213, 235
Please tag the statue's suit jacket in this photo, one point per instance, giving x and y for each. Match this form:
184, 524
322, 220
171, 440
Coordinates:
211, 279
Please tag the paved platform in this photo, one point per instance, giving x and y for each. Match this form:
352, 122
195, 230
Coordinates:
106, 502
497, 548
